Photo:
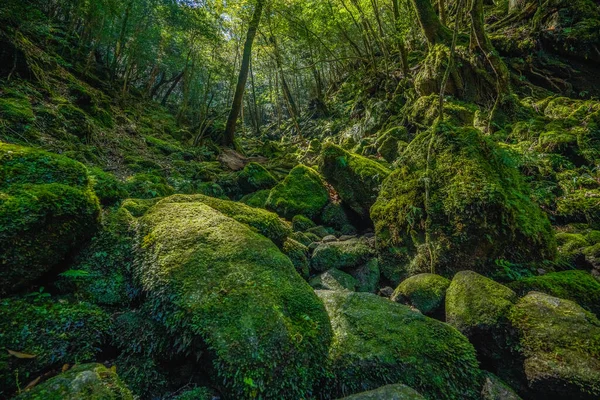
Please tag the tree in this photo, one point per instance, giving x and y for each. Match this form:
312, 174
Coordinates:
236, 105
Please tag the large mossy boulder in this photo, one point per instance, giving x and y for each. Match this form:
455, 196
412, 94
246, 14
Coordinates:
85, 381
356, 178
341, 255
47, 208
39, 333
479, 308
333, 279
457, 202
255, 177
578, 286
425, 292
387, 392
227, 293
264, 222
561, 345
302, 192
377, 342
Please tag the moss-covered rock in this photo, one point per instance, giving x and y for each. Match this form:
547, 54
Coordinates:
298, 254
341, 255
222, 289
148, 186
47, 208
85, 381
333, 279
390, 143
255, 177
561, 345
303, 238
367, 276
425, 292
468, 208
107, 187
578, 286
388, 392
301, 223
198, 393
377, 342
46, 333
256, 199
302, 192
357, 179
495, 389
264, 222
335, 216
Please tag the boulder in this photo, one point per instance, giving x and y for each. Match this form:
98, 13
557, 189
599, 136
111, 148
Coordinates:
474, 209
387, 392
561, 345
377, 342
495, 389
425, 292
298, 254
356, 178
227, 293
47, 209
255, 177
303, 192
366, 275
85, 381
341, 255
333, 279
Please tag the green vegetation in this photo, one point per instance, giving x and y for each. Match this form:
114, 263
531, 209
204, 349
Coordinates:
425, 292
341, 255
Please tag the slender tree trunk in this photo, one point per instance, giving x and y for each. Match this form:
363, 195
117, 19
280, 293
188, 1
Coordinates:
229, 134
400, 40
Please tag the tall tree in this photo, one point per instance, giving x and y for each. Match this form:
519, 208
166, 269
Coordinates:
236, 105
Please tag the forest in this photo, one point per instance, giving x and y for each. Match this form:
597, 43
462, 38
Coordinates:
304, 200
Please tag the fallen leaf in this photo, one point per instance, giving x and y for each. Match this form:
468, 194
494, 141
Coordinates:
33, 383
65, 367
20, 355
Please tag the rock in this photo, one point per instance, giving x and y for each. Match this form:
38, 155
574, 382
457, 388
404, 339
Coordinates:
230, 295
335, 216
387, 392
302, 237
559, 341
51, 332
333, 279
386, 291
298, 254
264, 222
302, 192
256, 199
343, 238
425, 292
47, 209
367, 276
495, 389
478, 307
355, 178
329, 239
377, 342
319, 231
300, 223
341, 255
578, 286
85, 381
255, 177
479, 209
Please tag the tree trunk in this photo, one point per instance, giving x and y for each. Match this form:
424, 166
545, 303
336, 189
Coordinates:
432, 27
241, 84
400, 40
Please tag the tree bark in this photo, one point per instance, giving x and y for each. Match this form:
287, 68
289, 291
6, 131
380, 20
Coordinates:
435, 32
236, 105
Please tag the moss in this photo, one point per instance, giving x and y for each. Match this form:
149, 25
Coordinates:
367, 276
478, 209
55, 332
212, 281
495, 389
425, 292
341, 255
578, 286
198, 393
301, 192
107, 187
561, 343
264, 222
147, 186
333, 279
476, 303
163, 146
47, 208
89, 381
378, 342
138, 207
580, 206
355, 178
298, 254
300, 223
302, 237
390, 392
255, 177
390, 142
333, 215
319, 232
256, 199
